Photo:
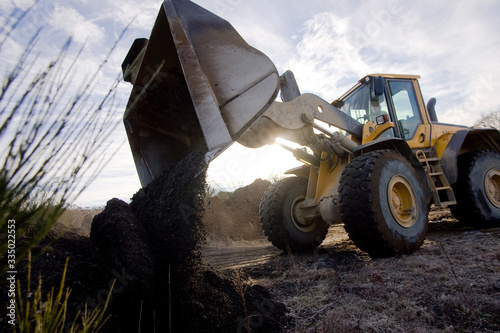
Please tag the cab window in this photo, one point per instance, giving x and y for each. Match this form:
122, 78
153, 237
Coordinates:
406, 107
364, 106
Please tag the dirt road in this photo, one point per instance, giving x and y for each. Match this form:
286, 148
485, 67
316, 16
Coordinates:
251, 254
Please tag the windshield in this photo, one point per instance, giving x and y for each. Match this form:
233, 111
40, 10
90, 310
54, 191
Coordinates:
363, 106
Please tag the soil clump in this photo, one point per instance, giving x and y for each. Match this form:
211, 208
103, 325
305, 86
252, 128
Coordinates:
155, 242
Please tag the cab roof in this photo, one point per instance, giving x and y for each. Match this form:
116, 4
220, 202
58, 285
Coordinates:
386, 76
392, 76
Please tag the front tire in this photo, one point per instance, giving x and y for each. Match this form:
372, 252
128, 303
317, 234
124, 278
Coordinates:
382, 204
283, 221
477, 189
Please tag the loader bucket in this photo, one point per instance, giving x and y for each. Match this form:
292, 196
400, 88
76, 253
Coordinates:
197, 85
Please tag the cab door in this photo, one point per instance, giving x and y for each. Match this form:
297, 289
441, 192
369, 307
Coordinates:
406, 112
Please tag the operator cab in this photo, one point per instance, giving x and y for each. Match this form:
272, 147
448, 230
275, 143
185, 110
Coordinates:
381, 98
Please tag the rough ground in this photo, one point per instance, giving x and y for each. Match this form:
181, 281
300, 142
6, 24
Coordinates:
452, 284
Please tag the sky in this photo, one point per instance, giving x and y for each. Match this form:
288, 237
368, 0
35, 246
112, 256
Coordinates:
329, 44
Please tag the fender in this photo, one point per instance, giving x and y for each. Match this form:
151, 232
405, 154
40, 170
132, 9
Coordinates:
397, 144
464, 141
300, 171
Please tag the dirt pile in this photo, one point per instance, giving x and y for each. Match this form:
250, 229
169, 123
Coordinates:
76, 220
235, 215
156, 243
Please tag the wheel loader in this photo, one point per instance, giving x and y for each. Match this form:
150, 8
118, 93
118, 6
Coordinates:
375, 159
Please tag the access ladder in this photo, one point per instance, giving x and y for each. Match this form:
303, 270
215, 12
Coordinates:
439, 185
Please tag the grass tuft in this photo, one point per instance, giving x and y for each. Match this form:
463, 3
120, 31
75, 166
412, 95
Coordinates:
39, 314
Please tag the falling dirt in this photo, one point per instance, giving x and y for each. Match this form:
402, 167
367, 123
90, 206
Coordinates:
155, 242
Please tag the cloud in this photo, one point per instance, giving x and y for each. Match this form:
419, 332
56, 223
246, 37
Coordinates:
457, 53
74, 24
453, 46
326, 61
7, 6
139, 14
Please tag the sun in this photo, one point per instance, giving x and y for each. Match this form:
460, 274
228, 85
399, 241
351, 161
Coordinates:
240, 166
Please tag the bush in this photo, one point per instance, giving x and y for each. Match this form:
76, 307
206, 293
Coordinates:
53, 138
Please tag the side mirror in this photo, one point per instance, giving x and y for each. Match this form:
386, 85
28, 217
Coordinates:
378, 85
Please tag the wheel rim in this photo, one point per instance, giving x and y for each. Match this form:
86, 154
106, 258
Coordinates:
492, 186
402, 201
297, 215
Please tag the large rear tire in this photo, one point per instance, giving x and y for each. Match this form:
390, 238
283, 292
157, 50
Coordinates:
382, 204
283, 221
477, 189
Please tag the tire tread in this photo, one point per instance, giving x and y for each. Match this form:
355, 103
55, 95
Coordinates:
467, 210
270, 211
357, 212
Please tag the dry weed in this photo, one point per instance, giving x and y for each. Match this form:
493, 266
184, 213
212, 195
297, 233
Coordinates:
451, 285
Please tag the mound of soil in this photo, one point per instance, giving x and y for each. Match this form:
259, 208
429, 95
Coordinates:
156, 241
76, 220
147, 256
235, 215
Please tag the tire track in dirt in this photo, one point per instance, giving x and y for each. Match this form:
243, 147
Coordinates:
250, 254
232, 258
